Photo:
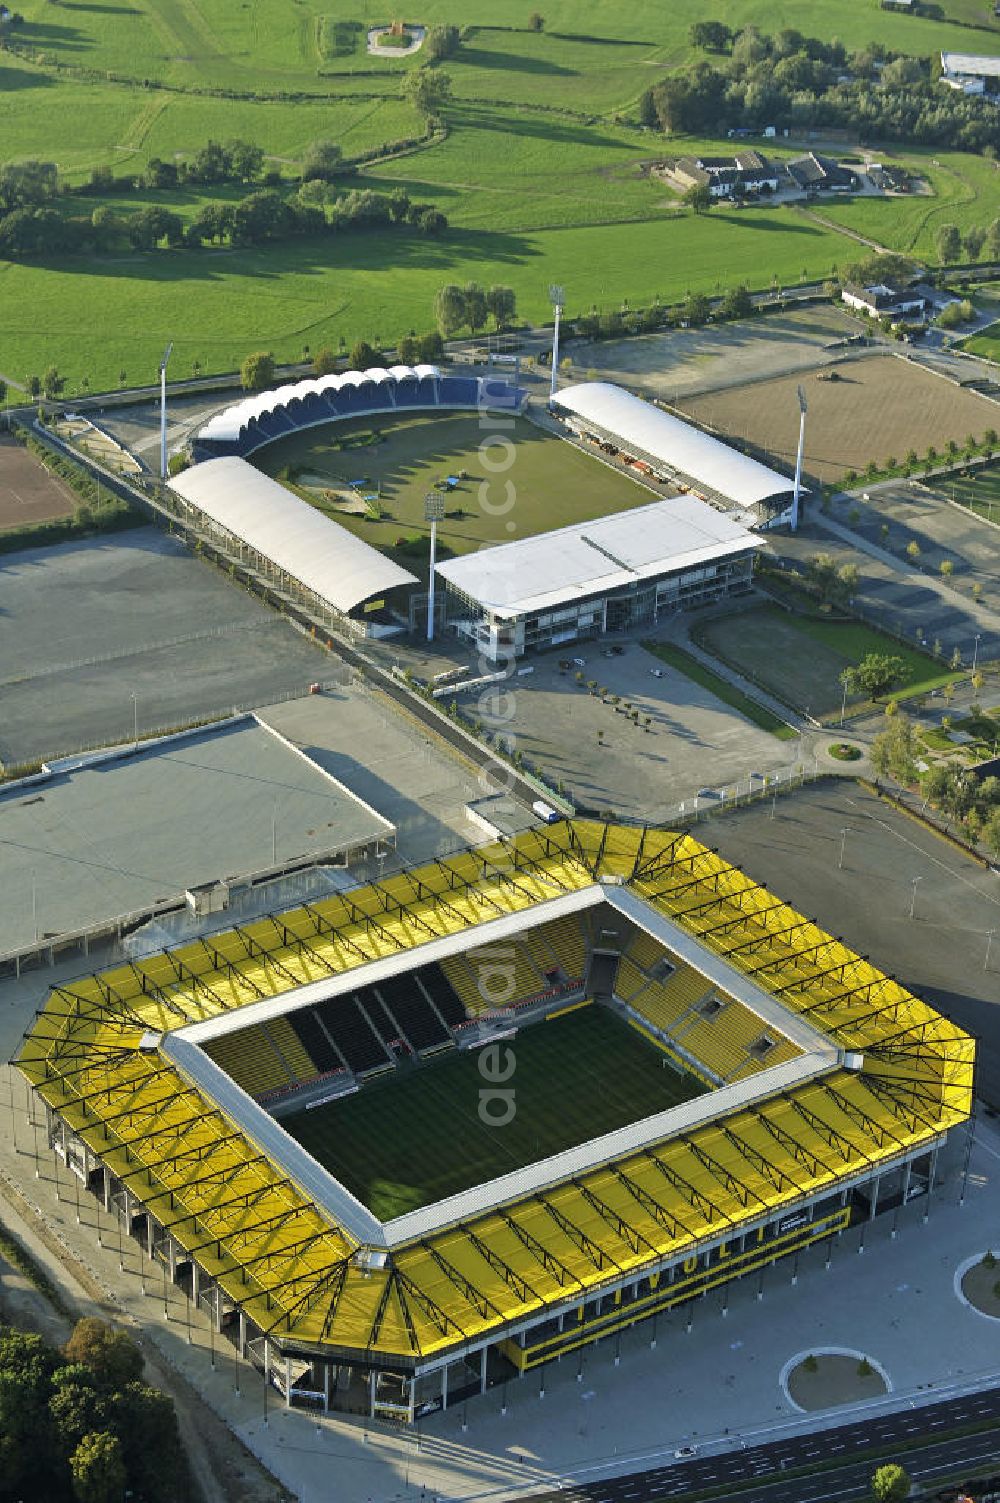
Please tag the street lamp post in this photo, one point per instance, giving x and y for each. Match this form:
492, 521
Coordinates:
797, 492
163, 411
135, 719
975, 652
843, 702
989, 946
433, 513
557, 298
913, 894
843, 841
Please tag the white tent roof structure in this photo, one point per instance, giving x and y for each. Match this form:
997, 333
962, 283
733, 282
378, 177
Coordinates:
646, 430
592, 558
323, 556
970, 64
229, 423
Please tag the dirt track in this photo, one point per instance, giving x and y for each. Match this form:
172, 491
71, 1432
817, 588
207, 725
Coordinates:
28, 493
876, 409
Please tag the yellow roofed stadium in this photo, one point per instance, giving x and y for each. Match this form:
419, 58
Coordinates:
409, 1140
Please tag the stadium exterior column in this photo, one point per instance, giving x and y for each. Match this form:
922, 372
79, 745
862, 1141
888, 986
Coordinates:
194, 1282
326, 1388
482, 1371
444, 1388
873, 1203
288, 1381
371, 1395
106, 1187
907, 1176
241, 1349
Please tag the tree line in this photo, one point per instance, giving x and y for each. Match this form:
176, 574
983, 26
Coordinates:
78, 1423
261, 217
794, 81
470, 307
259, 369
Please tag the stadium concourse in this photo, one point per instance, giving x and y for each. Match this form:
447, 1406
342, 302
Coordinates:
798, 1089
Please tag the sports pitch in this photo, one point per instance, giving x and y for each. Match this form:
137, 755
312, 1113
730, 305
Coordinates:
552, 483
418, 1137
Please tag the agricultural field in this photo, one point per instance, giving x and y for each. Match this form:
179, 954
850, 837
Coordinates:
399, 462
800, 659
28, 493
877, 409
417, 1138
540, 171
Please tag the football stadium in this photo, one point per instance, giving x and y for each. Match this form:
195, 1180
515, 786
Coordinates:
624, 513
421, 1136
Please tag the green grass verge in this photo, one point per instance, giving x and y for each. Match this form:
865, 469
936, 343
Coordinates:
800, 658
419, 1136
753, 711
979, 490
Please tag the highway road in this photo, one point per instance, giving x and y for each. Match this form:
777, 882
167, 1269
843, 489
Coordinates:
797, 1454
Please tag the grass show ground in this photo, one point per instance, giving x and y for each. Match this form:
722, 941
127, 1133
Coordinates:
419, 1136
554, 482
878, 408
800, 659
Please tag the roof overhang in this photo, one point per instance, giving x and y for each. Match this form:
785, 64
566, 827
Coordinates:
819, 1055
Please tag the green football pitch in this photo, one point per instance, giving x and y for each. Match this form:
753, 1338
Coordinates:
519, 480
418, 1137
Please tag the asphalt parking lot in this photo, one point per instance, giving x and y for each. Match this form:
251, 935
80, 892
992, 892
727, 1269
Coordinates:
131, 631
693, 738
940, 954
942, 532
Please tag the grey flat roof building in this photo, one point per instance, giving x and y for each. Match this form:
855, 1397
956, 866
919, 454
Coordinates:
121, 832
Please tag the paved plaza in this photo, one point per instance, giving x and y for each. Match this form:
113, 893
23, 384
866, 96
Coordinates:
603, 760
101, 636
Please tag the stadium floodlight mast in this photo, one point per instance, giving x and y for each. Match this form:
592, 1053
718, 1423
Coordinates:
798, 459
433, 513
163, 410
557, 298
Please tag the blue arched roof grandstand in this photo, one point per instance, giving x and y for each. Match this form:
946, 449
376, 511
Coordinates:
261, 418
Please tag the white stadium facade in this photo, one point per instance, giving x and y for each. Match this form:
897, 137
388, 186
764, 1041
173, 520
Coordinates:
620, 572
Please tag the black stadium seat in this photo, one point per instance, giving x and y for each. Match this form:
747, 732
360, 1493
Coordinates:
306, 1027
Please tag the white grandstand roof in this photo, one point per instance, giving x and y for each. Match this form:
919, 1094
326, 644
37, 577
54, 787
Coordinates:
319, 553
645, 429
229, 423
592, 558
971, 64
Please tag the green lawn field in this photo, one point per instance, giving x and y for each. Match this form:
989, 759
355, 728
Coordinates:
541, 171
554, 483
979, 490
800, 659
986, 344
418, 1136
